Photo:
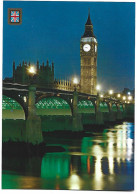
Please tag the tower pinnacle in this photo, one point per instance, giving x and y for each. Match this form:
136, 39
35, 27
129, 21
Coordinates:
88, 28
88, 20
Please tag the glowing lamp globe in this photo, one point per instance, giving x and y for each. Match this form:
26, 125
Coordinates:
75, 81
32, 70
98, 87
110, 92
118, 95
129, 97
128, 93
124, 97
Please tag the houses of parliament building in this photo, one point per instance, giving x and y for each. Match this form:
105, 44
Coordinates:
45, 72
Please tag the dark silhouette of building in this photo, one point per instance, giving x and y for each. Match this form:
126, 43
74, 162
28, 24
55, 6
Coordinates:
44, 73
128, 91
44, 76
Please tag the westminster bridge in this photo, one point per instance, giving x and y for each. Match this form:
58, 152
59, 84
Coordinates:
47, 109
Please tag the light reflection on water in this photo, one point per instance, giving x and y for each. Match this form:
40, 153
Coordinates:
101, 162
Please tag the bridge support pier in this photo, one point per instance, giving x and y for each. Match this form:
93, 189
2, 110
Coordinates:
99, 115
99, 118
33, 124
124, 111
76, 118
112, 116
119, 113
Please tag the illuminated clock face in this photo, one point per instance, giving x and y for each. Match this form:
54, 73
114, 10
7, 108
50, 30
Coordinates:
86, 47
95, 48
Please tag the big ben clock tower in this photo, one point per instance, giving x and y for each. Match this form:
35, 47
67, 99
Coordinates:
88, 54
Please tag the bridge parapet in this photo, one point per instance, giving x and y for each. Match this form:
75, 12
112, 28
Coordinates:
20, 93
77, 122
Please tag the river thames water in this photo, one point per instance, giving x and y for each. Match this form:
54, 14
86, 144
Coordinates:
101, 161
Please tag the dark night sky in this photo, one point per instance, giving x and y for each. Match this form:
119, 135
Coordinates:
52, 30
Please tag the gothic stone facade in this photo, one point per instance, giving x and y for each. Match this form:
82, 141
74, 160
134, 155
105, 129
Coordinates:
44, 75
88, 54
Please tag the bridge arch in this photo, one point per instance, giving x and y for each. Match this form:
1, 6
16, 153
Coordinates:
121, 107
114, 107
104, 107
86, 106
53, 106
12, 109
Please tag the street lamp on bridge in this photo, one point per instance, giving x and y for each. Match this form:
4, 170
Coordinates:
124, 97
118, 95
98, 88
129, 98
32, 70
129, 93
32, 73
33, 124
75, 82
111, 92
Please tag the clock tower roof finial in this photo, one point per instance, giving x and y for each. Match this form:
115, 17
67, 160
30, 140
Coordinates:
88, 20
88, 28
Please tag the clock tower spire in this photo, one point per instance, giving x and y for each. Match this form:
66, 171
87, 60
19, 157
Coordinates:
88, 54
88, 28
